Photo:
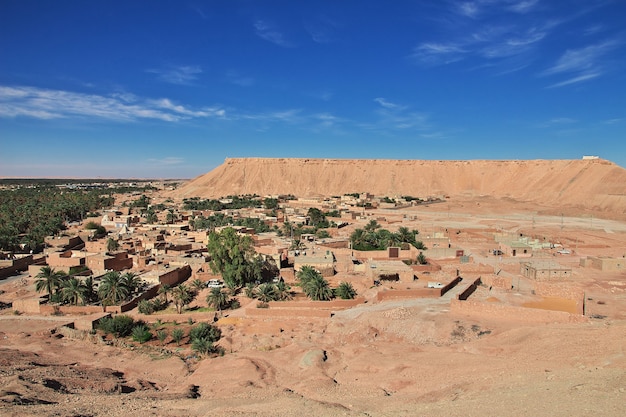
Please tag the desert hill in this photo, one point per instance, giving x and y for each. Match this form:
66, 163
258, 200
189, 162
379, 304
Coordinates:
588, 184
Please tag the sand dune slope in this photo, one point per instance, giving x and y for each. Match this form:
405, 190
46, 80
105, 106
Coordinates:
593, 184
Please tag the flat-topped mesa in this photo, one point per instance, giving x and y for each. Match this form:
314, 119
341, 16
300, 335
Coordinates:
589, 184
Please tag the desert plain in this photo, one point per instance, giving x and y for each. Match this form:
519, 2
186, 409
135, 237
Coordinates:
390, 357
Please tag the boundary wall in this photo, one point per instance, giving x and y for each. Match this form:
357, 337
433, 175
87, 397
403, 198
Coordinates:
287, 312
513, 313
418, 292
469, 290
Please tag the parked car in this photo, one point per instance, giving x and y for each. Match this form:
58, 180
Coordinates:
215, 283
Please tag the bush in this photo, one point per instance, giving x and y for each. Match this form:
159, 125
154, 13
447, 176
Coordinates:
145, 307
162, 335
141, 333
91, 225
205, 331
203, 346
345, 291
262, 305
177, 335
120, 326
234, 304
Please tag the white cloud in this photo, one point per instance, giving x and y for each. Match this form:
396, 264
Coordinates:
523, 7
236, 78
577, 79
169, 160
469, 9
387, 104
266, 31
180, 75
581, 59
583, 63
47, 104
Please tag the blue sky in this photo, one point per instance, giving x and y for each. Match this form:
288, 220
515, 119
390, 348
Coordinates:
168, 89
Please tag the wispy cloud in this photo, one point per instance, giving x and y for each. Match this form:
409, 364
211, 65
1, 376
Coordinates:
438, 53
180, 75
523, 6
576, 80
168, 160
234, 77
387, 104
558, 121
47, 104
268, 32
321, 29
582, 64
478, 8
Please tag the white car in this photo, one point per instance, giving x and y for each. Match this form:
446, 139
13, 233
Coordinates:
215, 283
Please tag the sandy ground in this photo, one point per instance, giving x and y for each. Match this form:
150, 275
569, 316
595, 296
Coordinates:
394, 358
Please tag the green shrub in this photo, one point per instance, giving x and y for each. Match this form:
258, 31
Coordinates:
162, 335
141, 333
145, 307
345, 291
120, 326
205, 331
202, 346
234, 304
177, 335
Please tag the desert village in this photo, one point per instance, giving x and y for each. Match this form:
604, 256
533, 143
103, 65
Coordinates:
487, 267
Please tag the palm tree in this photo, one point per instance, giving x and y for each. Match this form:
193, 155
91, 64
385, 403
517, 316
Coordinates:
73, 290
372, 226
198, 285
282, 291
131, 281
317, 289
164, 289
306, 273
217, 299
181, 296
112, 289
345, 291
48, 280
90, 293
406, 236
266, 292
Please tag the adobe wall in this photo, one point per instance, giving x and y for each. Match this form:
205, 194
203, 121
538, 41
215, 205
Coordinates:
568, 292
429, 267
512, 313
287, 312
48, 310
335, 245
496, 281
333, 304
469, 290
416, 293
10, 267
175, 276
90, 322
205, 276
118, 264
27, 305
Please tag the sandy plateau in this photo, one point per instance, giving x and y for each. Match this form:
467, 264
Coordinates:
405, 357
